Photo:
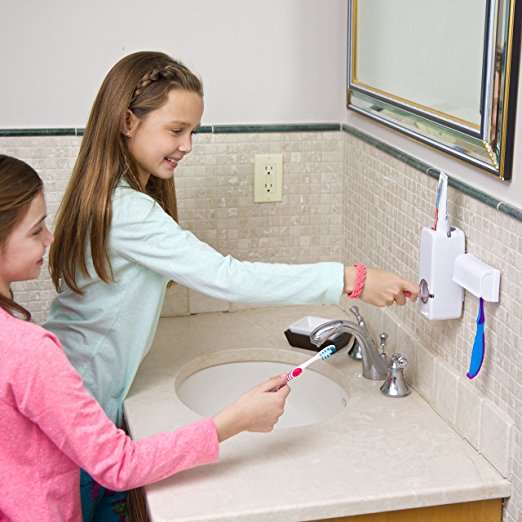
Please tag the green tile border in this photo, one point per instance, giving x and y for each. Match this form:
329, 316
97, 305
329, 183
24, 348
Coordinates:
293, 127
497, 204
306, 127
204, 129
11, 133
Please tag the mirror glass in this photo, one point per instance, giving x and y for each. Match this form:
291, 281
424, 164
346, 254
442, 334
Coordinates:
440, 71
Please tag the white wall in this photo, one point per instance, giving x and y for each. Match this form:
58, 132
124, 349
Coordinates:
262, 61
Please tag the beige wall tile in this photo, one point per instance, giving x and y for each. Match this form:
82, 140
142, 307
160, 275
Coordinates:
446, 382
469, 411
496, 434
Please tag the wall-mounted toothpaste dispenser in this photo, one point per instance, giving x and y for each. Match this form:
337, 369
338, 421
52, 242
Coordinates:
445, 269
438, 252
448, 271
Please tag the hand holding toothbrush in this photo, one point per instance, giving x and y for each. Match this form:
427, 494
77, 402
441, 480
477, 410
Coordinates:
257, 410
322, 355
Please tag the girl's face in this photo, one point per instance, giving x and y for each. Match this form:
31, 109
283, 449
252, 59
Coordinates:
21, 256
160, 140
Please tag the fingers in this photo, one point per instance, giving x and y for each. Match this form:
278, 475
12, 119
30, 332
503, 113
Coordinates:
273, 383
411, 291
284, 390
411, 296
407, 290
400, 299
413, 288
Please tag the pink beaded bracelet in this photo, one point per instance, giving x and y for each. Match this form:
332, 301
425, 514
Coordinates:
358, 284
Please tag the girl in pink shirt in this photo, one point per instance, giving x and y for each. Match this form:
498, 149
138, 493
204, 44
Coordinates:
50, 426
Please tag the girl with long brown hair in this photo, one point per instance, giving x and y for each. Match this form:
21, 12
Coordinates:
118, 244
50, 425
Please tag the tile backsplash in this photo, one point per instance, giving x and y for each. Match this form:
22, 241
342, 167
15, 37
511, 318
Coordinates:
387, 204
344, 199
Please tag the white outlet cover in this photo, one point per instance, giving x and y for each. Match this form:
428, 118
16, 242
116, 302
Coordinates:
274, 193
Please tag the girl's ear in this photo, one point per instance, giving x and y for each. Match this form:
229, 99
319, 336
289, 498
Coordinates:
130, 124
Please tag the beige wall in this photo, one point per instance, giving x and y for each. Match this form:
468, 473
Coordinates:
386, 205
345, 200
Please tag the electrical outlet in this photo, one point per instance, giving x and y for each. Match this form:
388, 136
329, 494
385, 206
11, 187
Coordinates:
268, 178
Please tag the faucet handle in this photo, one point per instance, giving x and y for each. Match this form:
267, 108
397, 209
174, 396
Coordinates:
395, 384
383, 337
360, 319
398, 361
355, 311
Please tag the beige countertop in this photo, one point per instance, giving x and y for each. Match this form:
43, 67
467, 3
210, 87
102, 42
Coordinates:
377, 454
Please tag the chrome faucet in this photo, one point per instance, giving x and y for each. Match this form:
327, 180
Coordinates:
374, 365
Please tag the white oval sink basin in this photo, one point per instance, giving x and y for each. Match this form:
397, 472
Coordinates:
314, 396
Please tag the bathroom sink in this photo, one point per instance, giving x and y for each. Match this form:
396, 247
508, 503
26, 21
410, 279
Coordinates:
315, 396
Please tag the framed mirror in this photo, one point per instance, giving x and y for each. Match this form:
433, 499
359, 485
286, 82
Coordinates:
443, 72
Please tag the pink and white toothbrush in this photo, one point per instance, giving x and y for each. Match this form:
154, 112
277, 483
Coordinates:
322, 355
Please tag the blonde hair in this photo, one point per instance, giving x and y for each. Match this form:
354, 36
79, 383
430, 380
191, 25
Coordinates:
20, 185
139, 82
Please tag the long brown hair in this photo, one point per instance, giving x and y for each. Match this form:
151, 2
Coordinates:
20, 185
139, 82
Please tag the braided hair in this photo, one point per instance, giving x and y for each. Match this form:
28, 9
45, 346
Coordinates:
158, 82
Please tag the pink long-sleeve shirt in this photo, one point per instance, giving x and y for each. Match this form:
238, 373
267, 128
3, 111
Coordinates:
50, 426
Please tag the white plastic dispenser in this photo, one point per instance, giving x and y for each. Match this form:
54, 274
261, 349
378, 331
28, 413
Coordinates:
438, 252
477, 277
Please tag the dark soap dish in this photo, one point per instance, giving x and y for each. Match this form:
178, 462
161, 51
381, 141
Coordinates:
303, 341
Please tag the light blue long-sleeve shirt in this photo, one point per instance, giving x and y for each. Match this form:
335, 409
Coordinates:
108, 330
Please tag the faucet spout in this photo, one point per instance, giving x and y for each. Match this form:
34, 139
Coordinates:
374, 366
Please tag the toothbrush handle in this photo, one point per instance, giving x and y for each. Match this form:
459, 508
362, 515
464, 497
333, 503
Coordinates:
298, 370
308, 362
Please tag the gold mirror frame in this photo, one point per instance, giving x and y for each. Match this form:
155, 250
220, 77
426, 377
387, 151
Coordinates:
489, 145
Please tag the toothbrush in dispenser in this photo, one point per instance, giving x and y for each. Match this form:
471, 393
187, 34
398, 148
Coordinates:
298, 370
442, 224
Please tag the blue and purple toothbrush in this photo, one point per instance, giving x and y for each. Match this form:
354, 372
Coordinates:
477, 354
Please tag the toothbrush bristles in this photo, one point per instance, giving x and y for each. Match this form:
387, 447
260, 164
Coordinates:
327, 352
